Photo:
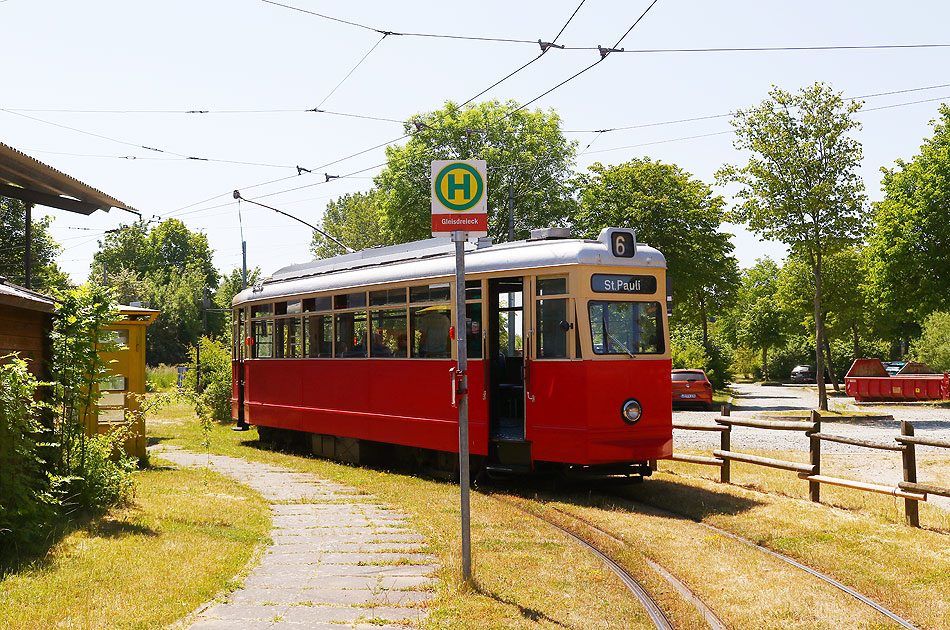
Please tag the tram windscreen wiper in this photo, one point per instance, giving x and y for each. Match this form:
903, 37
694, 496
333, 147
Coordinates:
611, 336
621, 344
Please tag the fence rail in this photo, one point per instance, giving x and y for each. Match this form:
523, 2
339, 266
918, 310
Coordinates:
909, 489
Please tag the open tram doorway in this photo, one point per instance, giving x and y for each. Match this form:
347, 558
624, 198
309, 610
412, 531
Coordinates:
506, 336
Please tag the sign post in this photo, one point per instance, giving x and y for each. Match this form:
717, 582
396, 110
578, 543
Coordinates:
460, 208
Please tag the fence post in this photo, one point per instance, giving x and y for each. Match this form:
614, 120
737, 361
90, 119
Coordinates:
725, 444
910, 475
814, 488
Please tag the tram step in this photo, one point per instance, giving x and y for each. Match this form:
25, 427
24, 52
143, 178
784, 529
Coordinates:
508, 468
509, 453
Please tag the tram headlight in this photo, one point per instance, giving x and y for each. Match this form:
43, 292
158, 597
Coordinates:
631, 411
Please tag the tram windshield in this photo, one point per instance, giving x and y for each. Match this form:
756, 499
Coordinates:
626, 327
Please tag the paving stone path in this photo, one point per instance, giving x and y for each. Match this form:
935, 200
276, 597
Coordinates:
338, 557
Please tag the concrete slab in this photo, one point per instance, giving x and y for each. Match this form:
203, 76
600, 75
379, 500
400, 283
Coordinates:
338, 556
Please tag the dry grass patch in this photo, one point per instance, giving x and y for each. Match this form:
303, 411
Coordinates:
748, 589
858, 537
184, 540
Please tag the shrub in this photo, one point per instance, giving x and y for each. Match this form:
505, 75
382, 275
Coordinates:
26, 505
687, 351
213, 398
933, 346
90, 472
746, 362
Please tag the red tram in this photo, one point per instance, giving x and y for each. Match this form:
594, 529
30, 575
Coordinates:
568, 353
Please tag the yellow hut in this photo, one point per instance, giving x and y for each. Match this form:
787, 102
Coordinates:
127, 368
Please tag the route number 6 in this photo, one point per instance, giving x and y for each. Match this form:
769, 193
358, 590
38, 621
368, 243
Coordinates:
623, 246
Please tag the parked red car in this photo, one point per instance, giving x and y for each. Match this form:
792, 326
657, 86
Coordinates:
692, 386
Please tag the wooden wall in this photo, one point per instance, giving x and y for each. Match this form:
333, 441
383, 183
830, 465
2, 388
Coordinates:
27, 332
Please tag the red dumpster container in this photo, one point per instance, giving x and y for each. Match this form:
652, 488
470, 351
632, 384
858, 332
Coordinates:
867, 380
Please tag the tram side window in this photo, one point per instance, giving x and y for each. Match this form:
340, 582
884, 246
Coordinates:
388, 333
385, 297
318, 304
430, 331
280, 338
262, 333
552, 328
262, 310
350, 334
287, 332
237, 336
473, 329
626, 327
430, 293
318, 336
349, 300
552, 285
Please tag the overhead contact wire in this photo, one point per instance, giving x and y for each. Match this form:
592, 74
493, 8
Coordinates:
343, 80
603, 55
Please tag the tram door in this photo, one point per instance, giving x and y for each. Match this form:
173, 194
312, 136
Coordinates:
506, 343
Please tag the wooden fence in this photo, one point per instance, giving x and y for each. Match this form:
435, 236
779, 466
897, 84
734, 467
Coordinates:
909, 489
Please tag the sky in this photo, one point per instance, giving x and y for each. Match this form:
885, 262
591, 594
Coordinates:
100, 90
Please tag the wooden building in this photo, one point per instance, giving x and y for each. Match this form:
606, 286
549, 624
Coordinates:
26, 318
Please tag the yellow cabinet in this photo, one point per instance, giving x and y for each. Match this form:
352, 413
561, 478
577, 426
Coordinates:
123, 389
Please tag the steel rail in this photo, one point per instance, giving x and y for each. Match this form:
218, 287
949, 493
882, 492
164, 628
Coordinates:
656, 615
712, 619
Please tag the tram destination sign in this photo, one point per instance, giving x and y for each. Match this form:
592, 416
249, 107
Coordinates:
614, 283
459, 197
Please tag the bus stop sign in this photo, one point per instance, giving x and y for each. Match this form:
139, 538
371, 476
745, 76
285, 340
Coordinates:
459, 197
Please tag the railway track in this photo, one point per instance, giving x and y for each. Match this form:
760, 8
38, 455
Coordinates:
904, 623
656, 614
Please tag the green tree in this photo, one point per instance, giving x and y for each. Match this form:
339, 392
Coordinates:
677, 214
933, 346
844, 310
45, 275
231, 285
524, 149
800, 185
168, 268
179, 325
909, 245
758, 319
355, 220
128, 286
158, 253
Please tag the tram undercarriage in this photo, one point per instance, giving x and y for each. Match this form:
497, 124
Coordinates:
440, 464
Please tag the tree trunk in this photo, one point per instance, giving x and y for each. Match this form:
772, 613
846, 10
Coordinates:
857, 342
819, 337
765, 363
831, 365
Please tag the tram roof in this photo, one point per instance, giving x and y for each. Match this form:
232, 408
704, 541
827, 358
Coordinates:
435, 258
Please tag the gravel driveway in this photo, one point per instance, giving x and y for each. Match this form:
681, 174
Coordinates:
753, 400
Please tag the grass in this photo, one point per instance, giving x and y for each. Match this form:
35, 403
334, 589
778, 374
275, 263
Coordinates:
137, 567
526, 575
162, 378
